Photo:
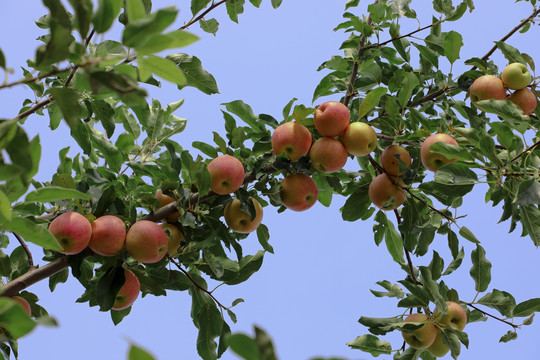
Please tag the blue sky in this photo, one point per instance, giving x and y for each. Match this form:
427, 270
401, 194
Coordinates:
310, 294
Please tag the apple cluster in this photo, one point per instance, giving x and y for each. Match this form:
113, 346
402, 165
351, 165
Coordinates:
428, 336
515, 77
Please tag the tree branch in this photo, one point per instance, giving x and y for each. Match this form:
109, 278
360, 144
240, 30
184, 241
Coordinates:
525, 151
27, 250
490, 315
203, 14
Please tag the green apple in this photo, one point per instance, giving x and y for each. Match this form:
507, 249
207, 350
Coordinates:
331, 118
487, 87
147, 242
176, 238
433, 161
298, 192
128, 293
292, 139
384, 194
359, 139
525, 99
390, 156
73, 232
422, 337
108, 235
516, 76
328, 155
227, 173
438, 348
238, 220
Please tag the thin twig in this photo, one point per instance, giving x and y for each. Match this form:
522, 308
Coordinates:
407, 254
402, 36
203, 14
490, 315
36, 78
27, 250
525, 151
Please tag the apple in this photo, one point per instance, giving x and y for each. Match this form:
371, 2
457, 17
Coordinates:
328, 155
298, 192
73, 232
164, 200
238, 220
227, 174
147, 242
331, 118
525, 99
128, 293
433, 161
487, 87
359, 139
422, 337
454, 317
108, 235
23, 303
292, 139
384, 194
175, 238
438, 348
516, 76
390, 156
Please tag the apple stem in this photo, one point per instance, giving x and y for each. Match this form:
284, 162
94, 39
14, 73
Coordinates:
27, 250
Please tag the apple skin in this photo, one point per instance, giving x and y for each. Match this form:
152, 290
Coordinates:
128, 293
438, 348
487, 87
238, 220
455, 317
24, 304
165, 200
227, 174
433, 161
108, 235
389, 161
525, 99
381, 189
328, 155
516, 76
147, 242
331, 118
175, 238
422, 337
298, 192
73, 232
359, 139
292, 139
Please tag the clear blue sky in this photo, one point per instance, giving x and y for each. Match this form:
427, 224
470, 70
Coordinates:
310, 294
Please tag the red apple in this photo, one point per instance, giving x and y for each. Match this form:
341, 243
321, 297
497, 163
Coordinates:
525, 99
384, 194
238, 220
433, 161
73, 232
175, 238
359, 139
328, 155
227, 174
128, 293
331, 118
454, 317
298, 192
292, 139
516, 76
390, 156
108, 235
487, 87
147, 242
422, 337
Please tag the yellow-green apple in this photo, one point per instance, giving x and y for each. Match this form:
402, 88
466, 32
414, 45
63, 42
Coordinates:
433, 161
331, 118
328, 155
227, 174
164, 200
516, 76
390, 156
175, 238
487, 87
108, 235
147, 242
438, 348
238, 220
292, 139
359, 139
525, 99
422, 337
73, 232
298, 192
23, 303
384, 194
454, 317
128, 293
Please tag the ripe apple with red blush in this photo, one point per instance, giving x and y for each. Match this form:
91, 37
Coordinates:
328, 155
147, 242
331, 118
298, 192
227, 173
292, 139
72, 231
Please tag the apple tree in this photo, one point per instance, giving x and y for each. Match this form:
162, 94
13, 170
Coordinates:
421, 139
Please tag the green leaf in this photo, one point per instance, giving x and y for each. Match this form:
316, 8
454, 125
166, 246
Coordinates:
135, 10
428, 54
59, 277
2, 60
394, 243
14, 318
210, 26
510, 53
452, 151
481, 269
410, 82
529, 193
244, 112
162, 67
235, 7
111, 153
5, 207
209, 323
371, 100
456, 262
458, 13
503, 108
105, 113
276, 3
453, 42
530, 219
244, 346
527, 307
501, 301
510, 335
83, 13
107, 11
31, 232
256, 3
357, 206
54, 193
57, 47
108, 286
371, 344
68, 101
195, 75
263, 236
160, 42
198, 5
265, 344
325, 189
393, 290
137, 353
467, 234
136, 32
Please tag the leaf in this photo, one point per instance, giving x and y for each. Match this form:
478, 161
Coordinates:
456, 262
527, 307
195, 75
501, 301
503, 108
106, 12
235, 7
160, 42
209, 323
108, 286
137, 32
509, 336
210, 26
263, 235
265, 344
31, 232
57, 44
467, 234
162, 67
14, 318
59, 277
453, 42
83, 13
244, 112
54, 193
371, 344
371, 100
276, 3
481, 269
393, 290
244, 346
135, 10
198, 5
394, 243
510, 53
530, 219
357, 206
5, 207
458, 13
68, 101
137, 353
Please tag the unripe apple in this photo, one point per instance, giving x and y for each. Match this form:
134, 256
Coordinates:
73, 232
390, 156
433, 161
525, 99
108, 235
384, 194
359, 139
165, 200
487, 87
238, 220
227, 174
454, 317
176, 237
331, 118
292, 139
422, 337
147, 242
298, 192
516, 76
23, 303
438, 348
328, 155
128, 293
